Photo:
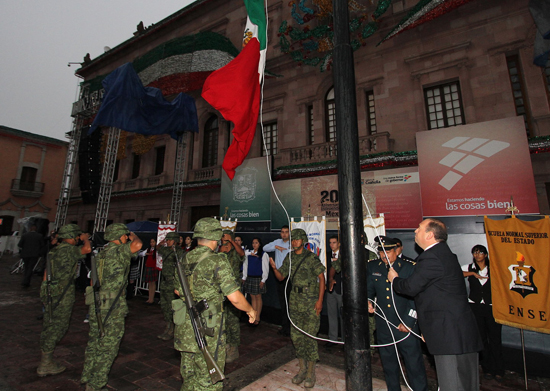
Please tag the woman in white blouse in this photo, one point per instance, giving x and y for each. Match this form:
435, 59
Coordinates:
255, 273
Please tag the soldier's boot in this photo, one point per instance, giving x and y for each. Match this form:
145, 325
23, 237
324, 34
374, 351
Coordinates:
48, 366
166, 329
302, 373
310, 376
232, 353
169, 332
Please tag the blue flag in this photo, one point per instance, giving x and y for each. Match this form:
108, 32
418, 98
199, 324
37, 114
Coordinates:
130, 106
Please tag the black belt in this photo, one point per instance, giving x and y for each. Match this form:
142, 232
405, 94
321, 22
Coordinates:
301, 289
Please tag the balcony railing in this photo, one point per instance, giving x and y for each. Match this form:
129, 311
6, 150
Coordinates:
207, 173
329, 151
27, 189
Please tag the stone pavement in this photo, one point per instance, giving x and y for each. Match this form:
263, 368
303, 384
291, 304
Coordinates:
144, 362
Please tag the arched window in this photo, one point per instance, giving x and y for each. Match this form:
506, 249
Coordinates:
210, 143
330, 112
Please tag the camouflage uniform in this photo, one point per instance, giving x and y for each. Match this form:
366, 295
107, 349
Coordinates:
63, 262
210, 277
303, 296
64, 259
113, 267
168, 283
232, 315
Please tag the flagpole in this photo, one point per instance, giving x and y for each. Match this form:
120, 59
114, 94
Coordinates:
513, 210
354, 266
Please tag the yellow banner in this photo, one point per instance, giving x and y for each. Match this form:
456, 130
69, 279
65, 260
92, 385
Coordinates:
519, 253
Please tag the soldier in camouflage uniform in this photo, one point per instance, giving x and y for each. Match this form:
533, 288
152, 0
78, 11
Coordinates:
306, 302
210, 277
235, 256
63, 261
113, 265
168, 254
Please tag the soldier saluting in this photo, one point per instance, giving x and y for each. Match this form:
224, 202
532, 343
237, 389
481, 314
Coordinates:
210, 278
57, 292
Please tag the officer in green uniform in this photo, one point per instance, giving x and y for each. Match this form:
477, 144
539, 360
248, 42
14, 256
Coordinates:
168, 280
306, 302
113, 265
409, 348
63, 261
210, 277
235, 254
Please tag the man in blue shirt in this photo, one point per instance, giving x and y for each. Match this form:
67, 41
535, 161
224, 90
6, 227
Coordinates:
281, 247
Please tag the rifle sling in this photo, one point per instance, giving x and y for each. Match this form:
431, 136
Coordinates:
116, 298
64, 290
219, 339
297, 268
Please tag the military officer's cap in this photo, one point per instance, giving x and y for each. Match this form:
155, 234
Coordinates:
172, 236
208, 228
115, 231
385, 242
69, 231
298, 233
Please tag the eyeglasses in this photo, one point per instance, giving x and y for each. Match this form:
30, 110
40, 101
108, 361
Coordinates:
477, 252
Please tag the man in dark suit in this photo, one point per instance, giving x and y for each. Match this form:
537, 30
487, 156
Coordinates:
334, 291
31, 245
409, 347
447, 323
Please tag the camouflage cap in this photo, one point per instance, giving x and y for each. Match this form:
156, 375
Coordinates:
115, 231
69, 231
298, 233
172, 236
229, 232
208, 228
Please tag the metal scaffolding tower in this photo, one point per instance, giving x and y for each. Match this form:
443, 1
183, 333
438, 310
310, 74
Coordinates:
68, 173
107, 174
179, 177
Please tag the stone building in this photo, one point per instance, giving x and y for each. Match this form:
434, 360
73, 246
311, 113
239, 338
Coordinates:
30, 176
477, 59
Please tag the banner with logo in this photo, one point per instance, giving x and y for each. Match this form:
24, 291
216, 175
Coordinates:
316, 234
519, 253
473, 170
248, 196
164, 229
394, 192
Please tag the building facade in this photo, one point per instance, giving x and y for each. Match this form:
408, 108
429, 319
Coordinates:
30, 176
471, 65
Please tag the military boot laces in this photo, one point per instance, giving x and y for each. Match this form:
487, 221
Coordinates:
48, 366
302, 373
310, 377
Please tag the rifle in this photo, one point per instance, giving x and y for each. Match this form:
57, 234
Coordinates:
194, 310
97, 301
49, 286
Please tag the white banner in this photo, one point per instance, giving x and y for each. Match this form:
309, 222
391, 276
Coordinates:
316, 233
229, 225
164, 229
374, 227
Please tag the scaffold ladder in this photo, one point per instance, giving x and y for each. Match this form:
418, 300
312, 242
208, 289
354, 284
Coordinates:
179, 177
107, 175
68, 173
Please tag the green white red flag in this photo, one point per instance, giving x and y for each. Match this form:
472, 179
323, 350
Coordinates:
234, 90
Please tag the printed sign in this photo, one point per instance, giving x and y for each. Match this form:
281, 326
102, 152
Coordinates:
476, 169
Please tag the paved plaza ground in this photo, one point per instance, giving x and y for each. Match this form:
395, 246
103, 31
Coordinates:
144, 362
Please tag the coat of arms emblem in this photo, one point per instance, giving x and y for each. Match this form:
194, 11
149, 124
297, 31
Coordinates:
244, 185
522, 277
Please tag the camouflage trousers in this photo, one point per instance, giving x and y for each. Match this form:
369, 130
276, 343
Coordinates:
166, 296
53, 332
232, 324
193, 367
101, 352
302, 313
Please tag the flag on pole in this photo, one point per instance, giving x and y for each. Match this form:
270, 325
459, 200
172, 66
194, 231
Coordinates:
234, 90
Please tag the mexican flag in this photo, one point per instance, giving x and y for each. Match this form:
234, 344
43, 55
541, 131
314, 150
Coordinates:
234, 90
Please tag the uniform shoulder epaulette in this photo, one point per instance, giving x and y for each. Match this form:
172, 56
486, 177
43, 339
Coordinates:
409, 260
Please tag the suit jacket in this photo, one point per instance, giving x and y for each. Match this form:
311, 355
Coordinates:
445, 318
